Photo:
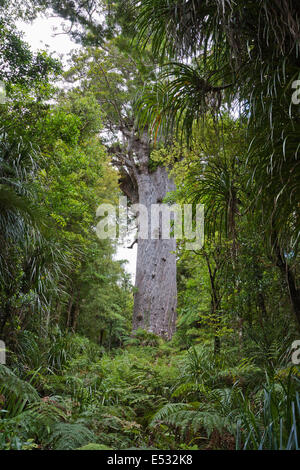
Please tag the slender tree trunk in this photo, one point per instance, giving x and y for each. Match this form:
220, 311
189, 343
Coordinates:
58, 311
155, 299
75, 315
294, 294
215, 301
294, 291
217, 345
101, 335
68, 324
4, 316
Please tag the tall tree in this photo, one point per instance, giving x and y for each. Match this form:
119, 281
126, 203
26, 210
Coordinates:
114, 74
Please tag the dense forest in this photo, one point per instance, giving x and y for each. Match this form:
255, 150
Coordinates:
170, 102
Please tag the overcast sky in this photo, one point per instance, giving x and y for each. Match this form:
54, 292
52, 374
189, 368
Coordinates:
43, 34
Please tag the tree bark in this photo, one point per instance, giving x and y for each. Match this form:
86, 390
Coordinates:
155, 298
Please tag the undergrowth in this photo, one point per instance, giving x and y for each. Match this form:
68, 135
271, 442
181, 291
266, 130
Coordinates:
149, 394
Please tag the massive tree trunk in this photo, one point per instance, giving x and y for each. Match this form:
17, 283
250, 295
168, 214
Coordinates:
155, 299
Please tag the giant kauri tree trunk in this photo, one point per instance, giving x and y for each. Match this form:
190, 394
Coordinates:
155, 299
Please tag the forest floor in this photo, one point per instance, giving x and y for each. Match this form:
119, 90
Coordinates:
146, 394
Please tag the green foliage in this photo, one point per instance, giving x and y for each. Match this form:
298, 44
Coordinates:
150, 397
20, 67
65, 436
143, 338
92, 446
76, 377
276, 425
18, 392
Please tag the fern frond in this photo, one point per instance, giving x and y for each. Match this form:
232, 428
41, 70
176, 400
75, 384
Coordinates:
16, 391
66, 436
